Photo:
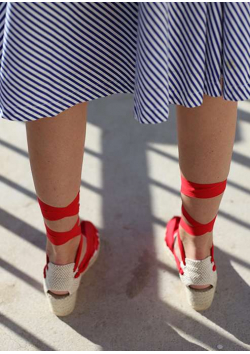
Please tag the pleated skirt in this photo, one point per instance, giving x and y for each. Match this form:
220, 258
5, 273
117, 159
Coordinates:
55, 55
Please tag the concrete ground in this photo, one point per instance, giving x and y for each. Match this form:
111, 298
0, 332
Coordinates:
132, 298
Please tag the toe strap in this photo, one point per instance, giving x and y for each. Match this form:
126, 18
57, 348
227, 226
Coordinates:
199, 272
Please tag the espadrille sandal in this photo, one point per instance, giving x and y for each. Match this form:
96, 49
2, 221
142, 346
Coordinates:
191, 271
66, 278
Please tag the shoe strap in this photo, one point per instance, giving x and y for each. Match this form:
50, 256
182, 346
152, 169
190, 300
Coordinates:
57, 213
197, 190
59, 238
175, 231
193, 227
52, 213
204, 191
89, 231
170, 239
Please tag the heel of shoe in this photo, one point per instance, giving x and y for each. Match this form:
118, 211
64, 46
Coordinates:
62, 305
199, 272
200, 299
60, 278
64, 278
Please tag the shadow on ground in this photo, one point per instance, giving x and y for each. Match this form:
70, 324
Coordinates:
122, 310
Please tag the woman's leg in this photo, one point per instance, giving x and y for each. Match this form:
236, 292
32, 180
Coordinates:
56, 148
205, 140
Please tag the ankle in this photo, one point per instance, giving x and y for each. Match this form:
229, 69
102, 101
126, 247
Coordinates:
196, 247
63, 254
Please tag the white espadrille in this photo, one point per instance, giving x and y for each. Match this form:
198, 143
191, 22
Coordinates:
62, 278
195, 272
199, 272
67, 278
191, 271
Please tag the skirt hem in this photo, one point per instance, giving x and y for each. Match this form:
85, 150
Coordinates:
64, 107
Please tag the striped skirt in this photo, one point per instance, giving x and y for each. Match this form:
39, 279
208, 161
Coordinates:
55, 55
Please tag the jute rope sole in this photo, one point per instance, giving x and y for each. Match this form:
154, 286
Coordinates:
200, 299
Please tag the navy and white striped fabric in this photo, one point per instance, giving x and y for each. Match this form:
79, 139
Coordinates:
55, 55
184, 49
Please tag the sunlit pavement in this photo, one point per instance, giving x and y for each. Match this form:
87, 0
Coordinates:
132, 298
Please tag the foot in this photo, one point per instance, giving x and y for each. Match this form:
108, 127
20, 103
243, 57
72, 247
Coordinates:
196, 247
65, 254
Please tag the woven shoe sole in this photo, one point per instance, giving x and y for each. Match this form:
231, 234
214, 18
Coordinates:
200, 299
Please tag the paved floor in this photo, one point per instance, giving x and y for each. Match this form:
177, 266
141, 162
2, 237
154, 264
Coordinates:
132, 298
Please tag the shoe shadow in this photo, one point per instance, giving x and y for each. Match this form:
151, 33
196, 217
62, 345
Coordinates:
121, 304
230, 309
123, 310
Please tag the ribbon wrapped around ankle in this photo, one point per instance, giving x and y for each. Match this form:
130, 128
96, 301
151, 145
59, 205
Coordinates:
204, 191
59, 238
196, 190
195, 228
54, 213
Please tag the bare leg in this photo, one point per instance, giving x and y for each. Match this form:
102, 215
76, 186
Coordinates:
56, 148
205, 140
